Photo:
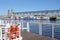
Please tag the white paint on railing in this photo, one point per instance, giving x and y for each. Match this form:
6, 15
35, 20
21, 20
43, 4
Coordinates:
28, 26
40, 28
0, 34
53, 30
22, 26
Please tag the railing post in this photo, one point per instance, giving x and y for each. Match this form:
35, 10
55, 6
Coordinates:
28, 26
52, 30
22, 26
6, 28
40, 28
0, 33
5, 33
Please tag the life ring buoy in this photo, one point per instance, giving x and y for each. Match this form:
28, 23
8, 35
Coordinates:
13, 31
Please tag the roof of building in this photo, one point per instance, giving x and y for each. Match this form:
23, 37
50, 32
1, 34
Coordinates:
44, 11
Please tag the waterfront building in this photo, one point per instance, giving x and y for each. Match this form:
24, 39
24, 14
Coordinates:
35, 14
45, 14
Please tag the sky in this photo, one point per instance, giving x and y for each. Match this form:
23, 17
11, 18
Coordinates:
28, 5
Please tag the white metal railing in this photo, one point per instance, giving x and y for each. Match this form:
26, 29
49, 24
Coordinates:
28, 25
40, 28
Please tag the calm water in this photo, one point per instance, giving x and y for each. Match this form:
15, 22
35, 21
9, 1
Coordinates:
46, 28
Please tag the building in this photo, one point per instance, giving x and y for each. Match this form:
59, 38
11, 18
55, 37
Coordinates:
46, 14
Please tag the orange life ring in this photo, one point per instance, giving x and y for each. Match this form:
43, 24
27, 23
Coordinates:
13, 31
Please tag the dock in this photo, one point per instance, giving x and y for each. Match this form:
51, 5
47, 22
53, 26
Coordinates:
31, 36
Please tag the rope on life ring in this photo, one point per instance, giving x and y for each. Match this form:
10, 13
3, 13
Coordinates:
13, 31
